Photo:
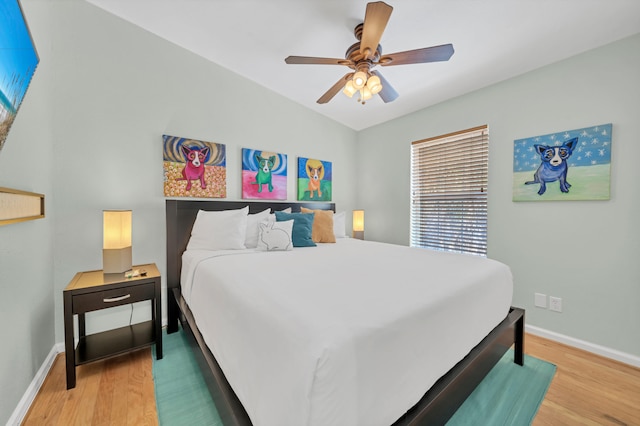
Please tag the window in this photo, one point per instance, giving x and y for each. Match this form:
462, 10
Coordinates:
449, 176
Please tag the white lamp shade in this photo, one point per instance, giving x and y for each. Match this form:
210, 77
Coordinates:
116, 241
358, 224
358, 220
116, 229
359, 79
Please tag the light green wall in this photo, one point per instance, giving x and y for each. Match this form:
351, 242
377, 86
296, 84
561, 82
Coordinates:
89, 136
584, 252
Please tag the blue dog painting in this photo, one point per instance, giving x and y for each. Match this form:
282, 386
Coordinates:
580, 156
554, 165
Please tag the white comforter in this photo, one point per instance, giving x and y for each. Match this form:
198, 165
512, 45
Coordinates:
352, 333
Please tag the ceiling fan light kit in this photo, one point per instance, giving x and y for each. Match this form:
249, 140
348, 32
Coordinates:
366, 54
373, 86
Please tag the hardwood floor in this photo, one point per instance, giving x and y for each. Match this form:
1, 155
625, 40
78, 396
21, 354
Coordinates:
586, 390
116, 391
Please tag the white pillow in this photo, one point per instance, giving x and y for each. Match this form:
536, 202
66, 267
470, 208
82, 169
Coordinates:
275, 236
272, 216
339, 225
221, 230
251, 239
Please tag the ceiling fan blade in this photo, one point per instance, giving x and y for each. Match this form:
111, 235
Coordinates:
316, 61
329, 94
418, 56
375, 21
388, 93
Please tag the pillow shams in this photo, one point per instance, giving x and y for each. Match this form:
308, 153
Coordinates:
302, 226
275, 236
219, 230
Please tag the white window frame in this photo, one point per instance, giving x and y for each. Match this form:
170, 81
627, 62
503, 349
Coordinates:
449, 183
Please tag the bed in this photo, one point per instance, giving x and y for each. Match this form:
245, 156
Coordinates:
438, 398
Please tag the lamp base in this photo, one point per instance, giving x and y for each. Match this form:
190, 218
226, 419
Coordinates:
358, 234
116, 261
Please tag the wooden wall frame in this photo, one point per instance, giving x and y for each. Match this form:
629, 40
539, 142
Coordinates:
19, 206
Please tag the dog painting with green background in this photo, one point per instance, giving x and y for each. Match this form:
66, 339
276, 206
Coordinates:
314, 179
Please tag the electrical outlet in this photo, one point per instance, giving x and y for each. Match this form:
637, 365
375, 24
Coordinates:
541, 300
555, 304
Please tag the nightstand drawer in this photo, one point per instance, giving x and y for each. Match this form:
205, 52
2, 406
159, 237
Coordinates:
108, 298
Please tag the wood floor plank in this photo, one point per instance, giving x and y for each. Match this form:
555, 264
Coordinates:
86, 408
121, 396
105, 399
135, 416
149, 394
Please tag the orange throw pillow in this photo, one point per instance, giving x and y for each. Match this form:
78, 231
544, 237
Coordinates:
322, 231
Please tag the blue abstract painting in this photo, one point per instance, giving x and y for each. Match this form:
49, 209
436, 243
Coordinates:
568, 165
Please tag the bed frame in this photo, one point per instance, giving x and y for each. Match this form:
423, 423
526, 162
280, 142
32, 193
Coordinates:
435, 408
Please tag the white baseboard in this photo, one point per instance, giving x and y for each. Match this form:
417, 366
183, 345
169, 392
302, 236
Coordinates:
587, 346
30, 394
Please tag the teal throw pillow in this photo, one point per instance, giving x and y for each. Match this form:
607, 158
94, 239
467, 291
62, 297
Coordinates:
302, 227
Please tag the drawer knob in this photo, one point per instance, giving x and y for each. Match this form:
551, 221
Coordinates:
116, 299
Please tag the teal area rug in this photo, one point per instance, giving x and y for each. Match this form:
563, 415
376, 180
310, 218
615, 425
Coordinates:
508, 395
182, 396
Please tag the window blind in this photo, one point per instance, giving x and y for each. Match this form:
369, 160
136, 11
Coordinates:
449, 176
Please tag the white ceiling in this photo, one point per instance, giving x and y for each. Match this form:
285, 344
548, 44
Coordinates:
493, 41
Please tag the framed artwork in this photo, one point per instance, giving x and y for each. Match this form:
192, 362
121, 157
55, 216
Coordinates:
18, 62
194, 168
314, 180
264, 175
19, 206
568, 165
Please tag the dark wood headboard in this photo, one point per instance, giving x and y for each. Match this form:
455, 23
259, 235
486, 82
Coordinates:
180, 215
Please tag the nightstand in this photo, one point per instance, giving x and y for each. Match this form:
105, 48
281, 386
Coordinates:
95, 290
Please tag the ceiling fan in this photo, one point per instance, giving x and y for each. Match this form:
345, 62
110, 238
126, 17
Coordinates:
366, 54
